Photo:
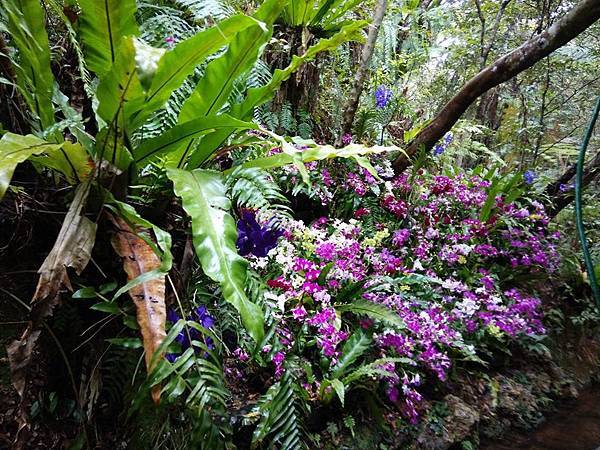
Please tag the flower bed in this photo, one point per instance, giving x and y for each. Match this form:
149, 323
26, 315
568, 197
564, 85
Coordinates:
422, 273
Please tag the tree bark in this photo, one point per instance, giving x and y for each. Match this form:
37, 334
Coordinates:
361, 73
559, 200
581, 17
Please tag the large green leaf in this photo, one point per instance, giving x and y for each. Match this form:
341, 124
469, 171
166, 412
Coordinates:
14, 149
115, 92
260, 95
213, 90
331, 11
177, 64
71, 160
26, 24
119, 86
182, 134
299, 12
103, 24
215, 234
215, 87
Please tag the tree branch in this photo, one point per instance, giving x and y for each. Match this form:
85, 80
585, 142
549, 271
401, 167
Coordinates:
581, 17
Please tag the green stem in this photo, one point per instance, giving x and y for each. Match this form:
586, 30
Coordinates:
578, 205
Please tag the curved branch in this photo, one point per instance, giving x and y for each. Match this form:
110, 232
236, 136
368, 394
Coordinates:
581, 17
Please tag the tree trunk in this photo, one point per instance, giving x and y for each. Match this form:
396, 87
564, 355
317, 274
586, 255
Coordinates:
581, 17
361, 73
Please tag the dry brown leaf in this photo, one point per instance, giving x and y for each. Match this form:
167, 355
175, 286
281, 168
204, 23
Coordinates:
149, 297
73, 248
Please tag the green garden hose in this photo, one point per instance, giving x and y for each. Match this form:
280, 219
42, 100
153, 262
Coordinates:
578, 212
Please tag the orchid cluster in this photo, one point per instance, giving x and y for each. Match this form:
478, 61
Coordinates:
441, 146
419, 246
383, 95
254, 238
188, 336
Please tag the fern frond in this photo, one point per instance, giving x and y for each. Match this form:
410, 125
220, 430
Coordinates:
280, 419
354, 347
156, 25
207, 385
286, 119
202, 10
254, 188
372, 310
207, 434
259, 75
374, 370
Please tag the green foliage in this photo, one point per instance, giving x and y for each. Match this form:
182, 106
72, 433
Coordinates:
103, 25
26, 24
181, 135
372, 310
354, 347
206, 9
280, 418
373, 369
162, 105
314, 152
325, 14
176, 65
216, 85
259, 95
204, 199
195, 383
254, 188
15, 149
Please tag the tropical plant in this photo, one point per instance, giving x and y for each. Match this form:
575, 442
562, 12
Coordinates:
134, 82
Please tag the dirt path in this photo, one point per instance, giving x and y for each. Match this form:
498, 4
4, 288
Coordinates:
575, 427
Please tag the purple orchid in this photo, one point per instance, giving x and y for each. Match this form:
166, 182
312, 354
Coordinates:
185, 337
383, 96
529, 177
256, 239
